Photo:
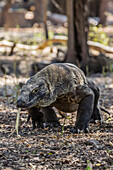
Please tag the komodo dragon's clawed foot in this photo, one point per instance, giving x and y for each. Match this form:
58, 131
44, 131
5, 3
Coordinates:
96, 116
77, 130
52, 124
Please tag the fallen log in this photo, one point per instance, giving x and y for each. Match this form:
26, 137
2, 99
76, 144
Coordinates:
59, 39
100, 47
6, 43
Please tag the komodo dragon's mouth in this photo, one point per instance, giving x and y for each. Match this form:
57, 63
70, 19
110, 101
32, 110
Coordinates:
35, 100
32, 103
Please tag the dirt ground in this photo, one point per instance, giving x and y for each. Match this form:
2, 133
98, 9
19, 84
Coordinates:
50, 149
43, 149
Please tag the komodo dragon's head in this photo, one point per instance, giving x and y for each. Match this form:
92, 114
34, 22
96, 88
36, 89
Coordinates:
36, 92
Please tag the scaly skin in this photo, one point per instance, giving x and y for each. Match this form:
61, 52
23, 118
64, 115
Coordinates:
65, 87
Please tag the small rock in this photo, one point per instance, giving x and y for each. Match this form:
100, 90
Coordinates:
93, 142
37, 159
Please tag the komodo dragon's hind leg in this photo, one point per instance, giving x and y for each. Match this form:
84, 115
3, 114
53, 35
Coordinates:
85, 109
96, 111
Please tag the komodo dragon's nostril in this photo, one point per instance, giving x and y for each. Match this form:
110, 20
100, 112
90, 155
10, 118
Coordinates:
21, 103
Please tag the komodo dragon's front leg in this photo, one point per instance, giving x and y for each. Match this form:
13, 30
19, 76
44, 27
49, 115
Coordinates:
85, 109
50, 116
43, 116
37, 117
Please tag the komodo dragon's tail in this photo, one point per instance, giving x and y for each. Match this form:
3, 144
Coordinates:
104, 110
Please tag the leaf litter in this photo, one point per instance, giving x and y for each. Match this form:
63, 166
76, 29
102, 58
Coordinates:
55, 148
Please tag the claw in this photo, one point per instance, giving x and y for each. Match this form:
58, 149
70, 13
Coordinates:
92, 121
78, 131
101, 121
52, 125
72, 130
44, 125
87, 130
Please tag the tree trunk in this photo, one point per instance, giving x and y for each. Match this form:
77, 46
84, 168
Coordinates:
94, 6
103, 8
40, 10
5, 13
71, 54
97, 9
40, 14
77, 37
58, 6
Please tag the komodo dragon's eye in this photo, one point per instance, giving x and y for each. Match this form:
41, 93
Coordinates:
35, 90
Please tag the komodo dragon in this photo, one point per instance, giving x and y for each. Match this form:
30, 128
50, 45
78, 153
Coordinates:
65, 87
